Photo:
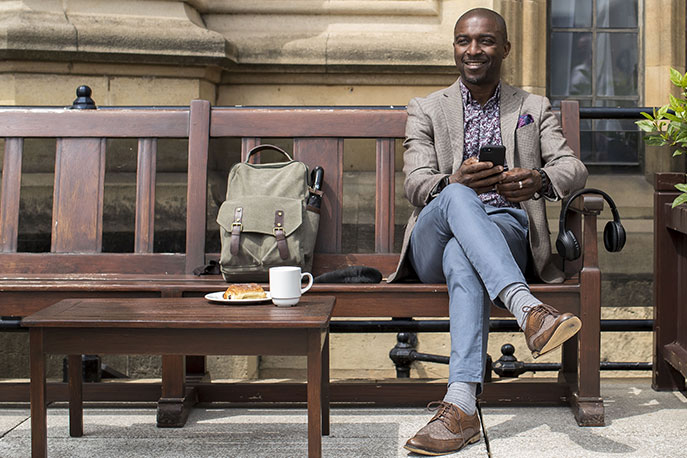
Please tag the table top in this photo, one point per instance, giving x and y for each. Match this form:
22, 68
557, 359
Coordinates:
181, 312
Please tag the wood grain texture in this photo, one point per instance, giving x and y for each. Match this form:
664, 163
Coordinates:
77, 215
385, 196
144, 231
327, 153
315, 381
196, 193
308, 122
9, 197
75, 395
668, 277
113, 123
39, 421
177, 312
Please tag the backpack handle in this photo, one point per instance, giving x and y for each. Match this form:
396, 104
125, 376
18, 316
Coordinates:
257, 149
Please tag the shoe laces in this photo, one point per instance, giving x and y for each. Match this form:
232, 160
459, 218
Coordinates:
444, 410
540, 311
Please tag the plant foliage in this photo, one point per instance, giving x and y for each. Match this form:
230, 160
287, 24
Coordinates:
668, 126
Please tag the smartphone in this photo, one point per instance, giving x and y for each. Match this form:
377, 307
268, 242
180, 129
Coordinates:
496, 154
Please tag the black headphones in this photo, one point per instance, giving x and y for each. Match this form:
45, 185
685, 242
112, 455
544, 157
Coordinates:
614, 232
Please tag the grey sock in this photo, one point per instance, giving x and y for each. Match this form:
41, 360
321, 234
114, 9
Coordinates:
518, 301
462, 394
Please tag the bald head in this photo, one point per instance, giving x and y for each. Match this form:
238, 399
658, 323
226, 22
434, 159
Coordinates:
486, 13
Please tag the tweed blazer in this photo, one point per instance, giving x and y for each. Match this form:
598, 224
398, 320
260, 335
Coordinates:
434, 149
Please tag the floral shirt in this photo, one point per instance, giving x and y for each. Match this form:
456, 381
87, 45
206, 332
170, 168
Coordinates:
482, 126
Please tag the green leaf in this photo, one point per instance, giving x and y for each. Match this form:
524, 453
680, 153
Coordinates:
677, 152
654, 140
672, 117
647, 115
662, 111
681, 187
646, 125
675, 77
681, 199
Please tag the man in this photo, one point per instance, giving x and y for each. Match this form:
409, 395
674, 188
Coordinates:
475, 224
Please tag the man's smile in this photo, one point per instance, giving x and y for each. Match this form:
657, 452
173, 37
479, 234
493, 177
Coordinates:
474, 64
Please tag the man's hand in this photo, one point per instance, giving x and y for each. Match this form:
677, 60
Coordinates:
480, 176
518, 185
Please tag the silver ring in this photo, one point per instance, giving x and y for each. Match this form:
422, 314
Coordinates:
520, 184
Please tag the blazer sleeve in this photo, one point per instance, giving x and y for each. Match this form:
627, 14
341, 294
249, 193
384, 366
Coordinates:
420, 163
566, 172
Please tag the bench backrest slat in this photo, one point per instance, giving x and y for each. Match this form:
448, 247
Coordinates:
9, 200
196, 193
327, 153
145, 195
385, 194
77, 215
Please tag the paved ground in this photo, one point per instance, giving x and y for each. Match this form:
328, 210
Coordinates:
640, 423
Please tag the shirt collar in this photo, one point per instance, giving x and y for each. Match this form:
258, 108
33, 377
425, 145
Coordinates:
467, 95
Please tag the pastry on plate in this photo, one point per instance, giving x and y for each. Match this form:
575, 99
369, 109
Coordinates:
245, 291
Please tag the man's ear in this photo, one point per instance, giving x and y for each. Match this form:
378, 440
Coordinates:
506, 49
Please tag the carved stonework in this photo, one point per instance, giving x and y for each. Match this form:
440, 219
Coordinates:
110, 31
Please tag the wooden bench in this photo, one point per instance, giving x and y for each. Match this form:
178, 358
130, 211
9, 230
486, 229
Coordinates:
670, 285
75, 268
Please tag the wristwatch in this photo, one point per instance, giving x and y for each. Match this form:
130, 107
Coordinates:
546, 188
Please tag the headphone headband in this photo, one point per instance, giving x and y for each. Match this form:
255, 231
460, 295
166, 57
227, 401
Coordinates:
576, 194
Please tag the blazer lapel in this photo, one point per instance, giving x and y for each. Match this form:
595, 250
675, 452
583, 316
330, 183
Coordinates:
452, 106
510, 111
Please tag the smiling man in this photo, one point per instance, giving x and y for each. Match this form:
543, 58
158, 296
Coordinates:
479, 226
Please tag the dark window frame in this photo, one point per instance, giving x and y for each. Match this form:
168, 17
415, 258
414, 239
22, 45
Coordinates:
593, 99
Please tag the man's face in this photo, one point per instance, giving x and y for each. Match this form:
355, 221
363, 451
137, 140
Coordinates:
479, 48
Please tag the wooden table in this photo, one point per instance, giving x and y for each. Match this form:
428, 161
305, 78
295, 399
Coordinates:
177, 326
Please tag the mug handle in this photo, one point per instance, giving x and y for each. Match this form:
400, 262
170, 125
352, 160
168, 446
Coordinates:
310, 281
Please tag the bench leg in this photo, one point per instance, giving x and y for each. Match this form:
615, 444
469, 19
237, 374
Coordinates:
586, 402
196, 371
176, 402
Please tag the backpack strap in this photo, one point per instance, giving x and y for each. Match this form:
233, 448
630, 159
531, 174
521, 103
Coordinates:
236, 227
279, 234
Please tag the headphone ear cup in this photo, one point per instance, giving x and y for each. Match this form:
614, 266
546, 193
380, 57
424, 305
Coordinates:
568, 246
614, 236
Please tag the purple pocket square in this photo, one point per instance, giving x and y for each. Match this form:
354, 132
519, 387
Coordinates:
525, 119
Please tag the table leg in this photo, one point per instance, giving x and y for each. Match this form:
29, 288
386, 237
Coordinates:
325, 385
315, 393
39, 420
75, 396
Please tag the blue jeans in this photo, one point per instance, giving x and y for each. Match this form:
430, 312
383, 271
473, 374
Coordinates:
477, 250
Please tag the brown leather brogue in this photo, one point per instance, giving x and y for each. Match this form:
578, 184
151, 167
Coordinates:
449, 430
546, 328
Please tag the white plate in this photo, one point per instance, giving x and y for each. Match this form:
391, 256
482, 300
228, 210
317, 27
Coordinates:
219, 297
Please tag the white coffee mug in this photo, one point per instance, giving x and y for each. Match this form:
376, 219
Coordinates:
285, 285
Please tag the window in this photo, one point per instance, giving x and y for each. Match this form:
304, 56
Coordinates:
594, 58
